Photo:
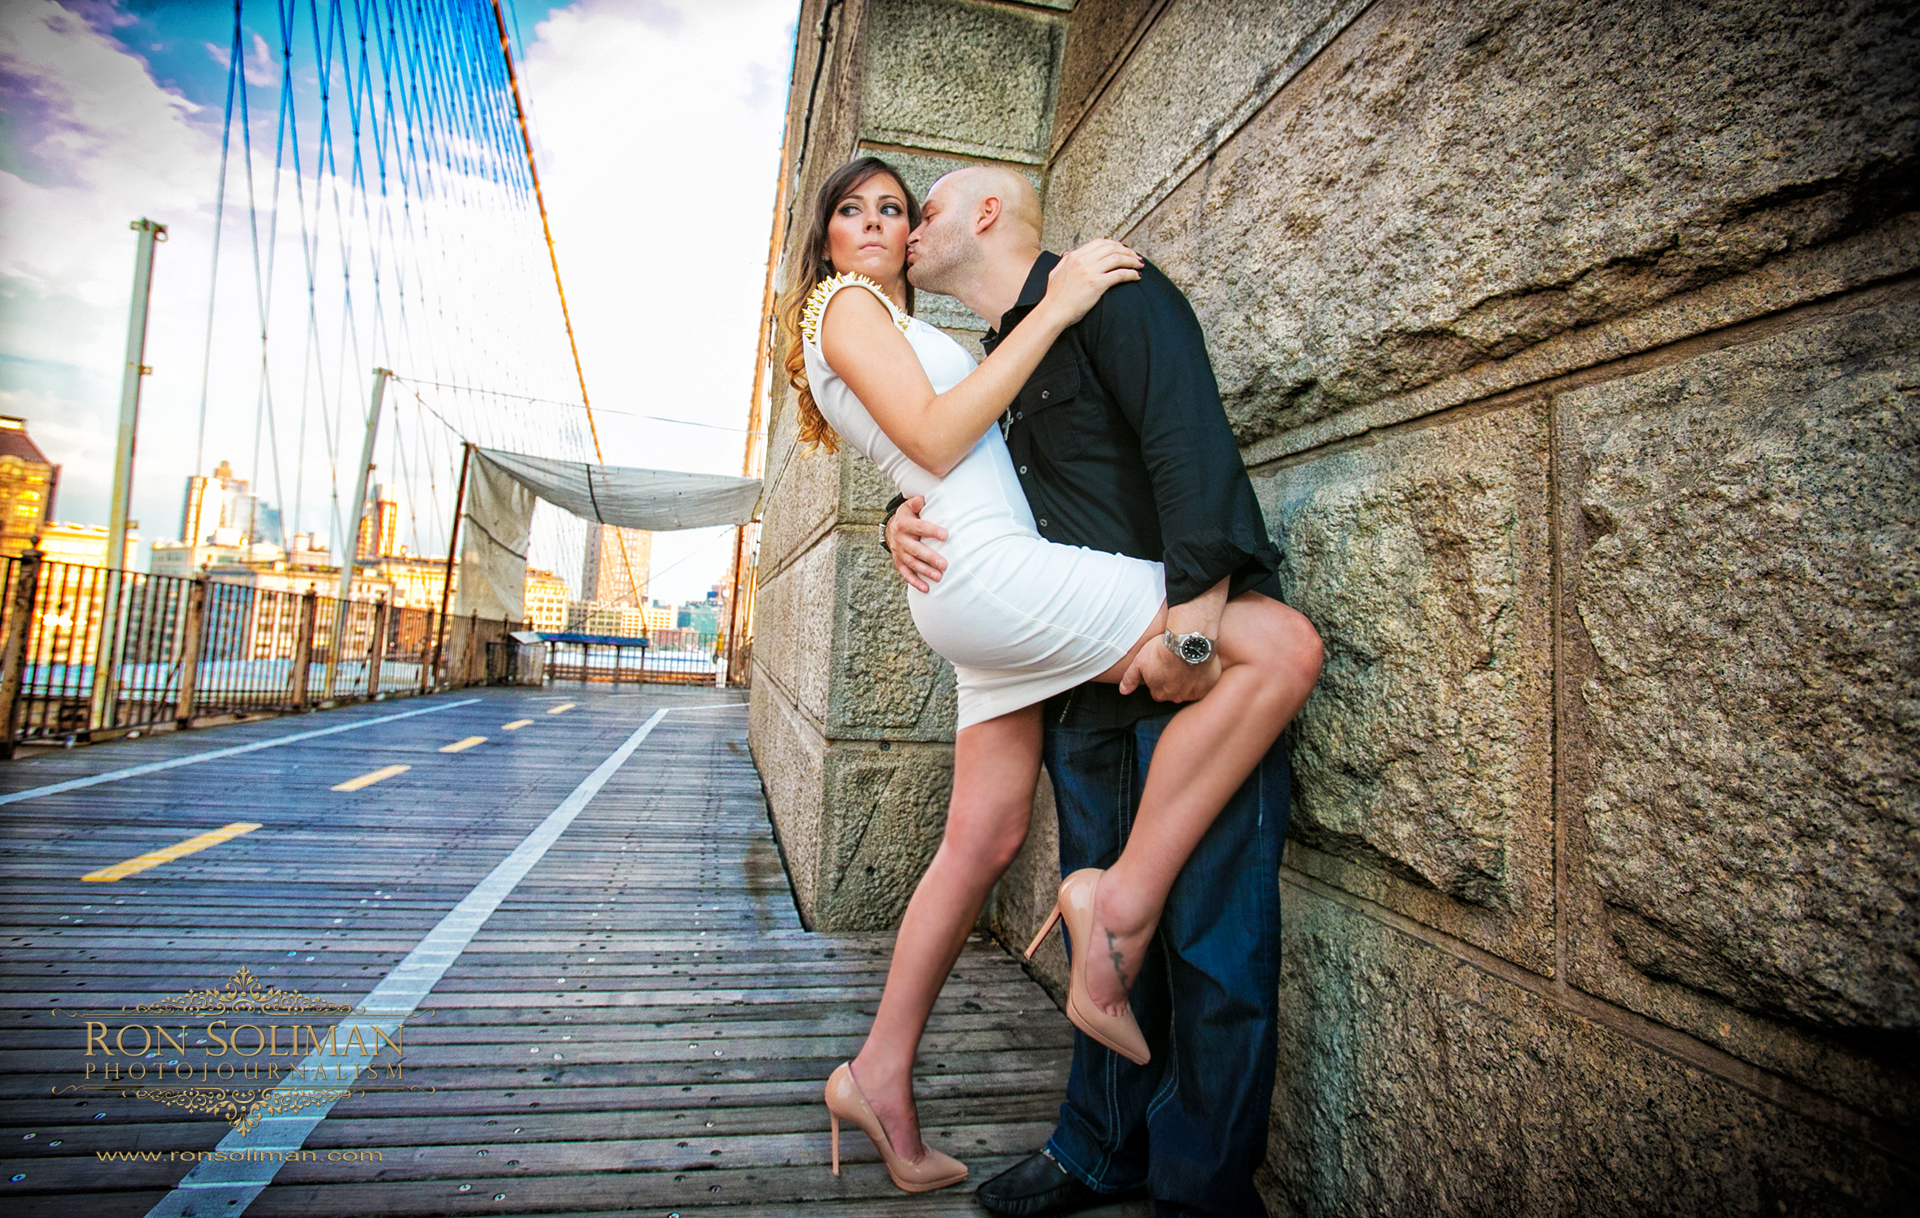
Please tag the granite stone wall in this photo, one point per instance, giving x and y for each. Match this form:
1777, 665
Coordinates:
852, 715
1574, 348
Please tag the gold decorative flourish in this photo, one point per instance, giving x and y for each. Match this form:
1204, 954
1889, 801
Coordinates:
244, 995
823, 292
243, 1108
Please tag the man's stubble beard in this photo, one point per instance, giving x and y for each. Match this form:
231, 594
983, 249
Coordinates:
942, 268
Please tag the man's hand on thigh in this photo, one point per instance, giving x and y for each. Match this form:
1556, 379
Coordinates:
918, 563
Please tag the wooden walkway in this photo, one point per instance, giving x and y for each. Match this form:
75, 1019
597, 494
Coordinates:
639, 1026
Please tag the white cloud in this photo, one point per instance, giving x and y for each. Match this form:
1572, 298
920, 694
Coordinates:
657, 127
658, 131
105, 146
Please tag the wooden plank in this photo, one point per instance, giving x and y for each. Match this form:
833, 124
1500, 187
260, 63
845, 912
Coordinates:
657, 932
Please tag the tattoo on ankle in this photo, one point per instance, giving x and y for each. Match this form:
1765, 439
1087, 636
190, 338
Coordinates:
1119, 959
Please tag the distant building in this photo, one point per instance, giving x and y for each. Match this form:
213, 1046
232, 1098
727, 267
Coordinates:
221, 511
703, 616
321, 580
658, 618
184, 561
27, 482
405, 583
546, 600
85, 545
272, 622
615, 569
416, 582
308, 551
380, 528
621, 621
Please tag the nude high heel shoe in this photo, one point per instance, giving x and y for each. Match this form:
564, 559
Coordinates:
846, 1101
1075, 903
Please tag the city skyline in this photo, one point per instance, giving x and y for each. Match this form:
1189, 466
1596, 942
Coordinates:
126, 115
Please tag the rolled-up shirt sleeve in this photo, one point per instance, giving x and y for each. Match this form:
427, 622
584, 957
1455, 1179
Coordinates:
1147, 348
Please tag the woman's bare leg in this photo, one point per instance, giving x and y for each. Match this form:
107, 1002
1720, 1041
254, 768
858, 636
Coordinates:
1270, 657
995, 767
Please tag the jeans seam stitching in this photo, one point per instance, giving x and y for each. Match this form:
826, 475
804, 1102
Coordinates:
1062, 1157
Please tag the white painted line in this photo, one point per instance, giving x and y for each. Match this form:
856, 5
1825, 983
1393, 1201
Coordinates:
154, 767
229, 1187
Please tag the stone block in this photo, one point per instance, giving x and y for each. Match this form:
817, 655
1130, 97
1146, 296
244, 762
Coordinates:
887, 683
804, 485
791, 757
888, 809
1741, 693
950, 315
864, 490
954, 76
1192, 73
1449, 184
1423, 761
1412, 1081
791, 648
1098, 33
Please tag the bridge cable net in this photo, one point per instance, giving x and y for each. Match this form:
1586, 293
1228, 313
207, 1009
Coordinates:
378, 208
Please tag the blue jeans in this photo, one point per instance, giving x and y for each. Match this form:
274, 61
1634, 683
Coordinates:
1192, 1124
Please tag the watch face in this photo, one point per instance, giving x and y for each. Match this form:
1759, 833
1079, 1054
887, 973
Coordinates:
1196, 648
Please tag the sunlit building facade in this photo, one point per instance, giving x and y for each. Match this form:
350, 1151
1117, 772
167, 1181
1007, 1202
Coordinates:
546, 600
27, 481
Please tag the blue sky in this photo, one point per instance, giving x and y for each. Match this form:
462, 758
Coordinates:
657, 127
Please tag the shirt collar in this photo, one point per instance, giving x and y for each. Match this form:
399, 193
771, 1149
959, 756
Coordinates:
1030, 294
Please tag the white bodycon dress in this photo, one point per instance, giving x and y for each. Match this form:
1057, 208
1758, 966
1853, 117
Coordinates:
1019, 617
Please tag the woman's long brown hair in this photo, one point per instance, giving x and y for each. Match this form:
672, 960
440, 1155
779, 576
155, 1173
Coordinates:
813, 265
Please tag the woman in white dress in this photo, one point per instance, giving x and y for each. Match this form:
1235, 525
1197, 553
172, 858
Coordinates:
1020, 618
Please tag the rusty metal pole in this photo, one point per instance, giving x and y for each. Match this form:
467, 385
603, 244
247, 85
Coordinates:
13, 658
474, 647
303, 650
191, 627
377, 650
453, 552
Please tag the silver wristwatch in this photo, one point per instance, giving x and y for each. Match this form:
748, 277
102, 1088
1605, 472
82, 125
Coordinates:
1195, 648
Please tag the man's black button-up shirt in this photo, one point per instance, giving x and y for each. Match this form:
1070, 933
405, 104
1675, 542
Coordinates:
1121, 444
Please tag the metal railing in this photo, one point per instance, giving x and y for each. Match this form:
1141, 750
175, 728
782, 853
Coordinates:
680, 657
90, 653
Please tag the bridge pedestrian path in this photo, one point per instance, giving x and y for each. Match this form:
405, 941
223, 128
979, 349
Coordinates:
613, 1006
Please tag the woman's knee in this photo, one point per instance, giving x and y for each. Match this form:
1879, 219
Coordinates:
1302, 645
984, 847
1281, 643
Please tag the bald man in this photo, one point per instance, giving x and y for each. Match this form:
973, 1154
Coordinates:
1121, 444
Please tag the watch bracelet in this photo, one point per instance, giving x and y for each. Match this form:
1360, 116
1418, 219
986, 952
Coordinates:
893, 505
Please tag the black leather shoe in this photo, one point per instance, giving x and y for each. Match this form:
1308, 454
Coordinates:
1041, 1188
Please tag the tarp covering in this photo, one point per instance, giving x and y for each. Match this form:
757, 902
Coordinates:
502, 486
659, 500
493, 544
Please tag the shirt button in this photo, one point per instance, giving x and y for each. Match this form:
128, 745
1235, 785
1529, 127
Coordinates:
1023, 469
1019, 414
1043, 524
1045, 394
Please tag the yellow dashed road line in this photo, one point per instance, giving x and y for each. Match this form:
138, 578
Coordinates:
139, 863
460, 746
515, 726
367, 780
564, 706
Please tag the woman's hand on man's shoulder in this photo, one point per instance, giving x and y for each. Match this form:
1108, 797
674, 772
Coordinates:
1083, 275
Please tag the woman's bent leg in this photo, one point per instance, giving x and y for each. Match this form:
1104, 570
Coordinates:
995, 767
1270, 656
